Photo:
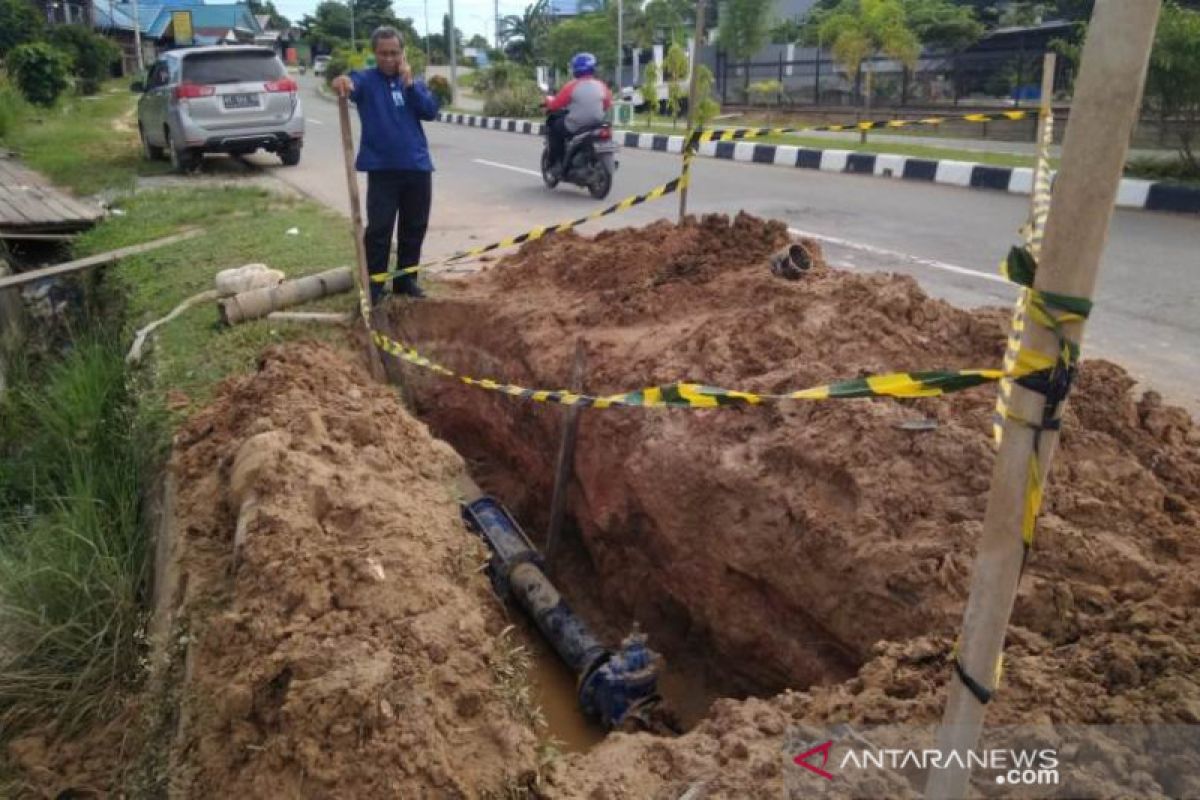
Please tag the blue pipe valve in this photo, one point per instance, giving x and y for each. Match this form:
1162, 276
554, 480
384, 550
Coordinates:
623, 684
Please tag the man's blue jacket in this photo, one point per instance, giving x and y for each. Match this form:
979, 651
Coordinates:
392, 136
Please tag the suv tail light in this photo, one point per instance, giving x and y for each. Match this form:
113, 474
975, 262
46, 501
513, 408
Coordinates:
188, 91
281, 85
604, 133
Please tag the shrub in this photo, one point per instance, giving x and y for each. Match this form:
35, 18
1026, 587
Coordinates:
92, 55
41, 71
20, 23
1159, 169
522, 99
10, 109
441, 90
501, 76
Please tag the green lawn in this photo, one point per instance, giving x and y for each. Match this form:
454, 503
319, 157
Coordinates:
85, 144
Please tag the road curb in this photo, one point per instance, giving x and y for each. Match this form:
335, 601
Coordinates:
1133, 192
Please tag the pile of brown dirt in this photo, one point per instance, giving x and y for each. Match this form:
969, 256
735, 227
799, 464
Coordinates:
794, 539
351, 647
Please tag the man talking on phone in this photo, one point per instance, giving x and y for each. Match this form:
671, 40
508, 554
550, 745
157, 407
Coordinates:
394, 153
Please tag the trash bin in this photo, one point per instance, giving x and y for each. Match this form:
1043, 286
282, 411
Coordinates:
622, 113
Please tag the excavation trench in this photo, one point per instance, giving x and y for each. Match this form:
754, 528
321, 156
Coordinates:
774, 547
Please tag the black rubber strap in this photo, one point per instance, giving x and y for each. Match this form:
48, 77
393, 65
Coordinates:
982, 694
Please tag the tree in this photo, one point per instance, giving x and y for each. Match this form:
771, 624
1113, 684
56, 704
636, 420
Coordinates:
1173, 83
478, 42
664, 21
859, 30
19, 23
42, 72
446, 36
744, 27
524, 35
675, 70
650, 91
589, 33
92, 56
328, 28
277, 22
788, 31
943, 25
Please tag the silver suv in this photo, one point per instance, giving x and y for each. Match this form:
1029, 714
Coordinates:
219, 100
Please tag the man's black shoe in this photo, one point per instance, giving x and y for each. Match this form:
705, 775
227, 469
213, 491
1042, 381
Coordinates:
408, 286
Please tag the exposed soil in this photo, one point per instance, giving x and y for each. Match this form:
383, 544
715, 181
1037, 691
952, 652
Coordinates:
352, 648
797, 540
340, 642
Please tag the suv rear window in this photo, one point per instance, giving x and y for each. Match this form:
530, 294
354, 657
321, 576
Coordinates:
232, 67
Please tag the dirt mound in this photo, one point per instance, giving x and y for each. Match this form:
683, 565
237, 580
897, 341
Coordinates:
350, 647
790, 540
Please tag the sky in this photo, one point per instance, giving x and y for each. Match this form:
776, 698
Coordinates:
470, 16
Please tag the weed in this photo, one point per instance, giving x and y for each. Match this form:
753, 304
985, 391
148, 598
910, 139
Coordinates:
510, 663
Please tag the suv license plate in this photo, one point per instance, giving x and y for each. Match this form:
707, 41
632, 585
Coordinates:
241, 101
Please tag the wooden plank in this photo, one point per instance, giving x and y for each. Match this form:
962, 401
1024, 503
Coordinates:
100, 259
36, 237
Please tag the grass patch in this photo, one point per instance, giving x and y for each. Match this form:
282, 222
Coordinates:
1173, 170
74, 456
194, 352
85, 144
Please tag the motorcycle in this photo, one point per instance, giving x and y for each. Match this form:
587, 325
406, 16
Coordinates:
589, 159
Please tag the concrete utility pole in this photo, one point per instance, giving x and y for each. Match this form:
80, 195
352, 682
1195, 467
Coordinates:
620, 44
452, 46
692, 99
137, 39
1107, 101
350, 5
496, 31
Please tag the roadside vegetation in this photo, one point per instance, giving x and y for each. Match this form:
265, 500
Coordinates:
83, 436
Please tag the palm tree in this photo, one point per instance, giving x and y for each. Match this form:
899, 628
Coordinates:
525, 34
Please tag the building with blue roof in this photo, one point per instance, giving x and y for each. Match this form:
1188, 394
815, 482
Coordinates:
229, 23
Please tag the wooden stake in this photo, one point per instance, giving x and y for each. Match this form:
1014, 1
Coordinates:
360, 251
98, 260
698, 42
1049, 63
566, 453
1107, 101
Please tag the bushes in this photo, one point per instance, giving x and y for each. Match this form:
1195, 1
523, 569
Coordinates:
20, 23
521, 99
73, 555
501, 76
1177, 170
10, 108
41, 72
92, 55
441, 90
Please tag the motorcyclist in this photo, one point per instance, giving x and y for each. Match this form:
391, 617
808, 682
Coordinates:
585, 99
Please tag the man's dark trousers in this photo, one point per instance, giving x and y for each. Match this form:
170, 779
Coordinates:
558, 137
391, 194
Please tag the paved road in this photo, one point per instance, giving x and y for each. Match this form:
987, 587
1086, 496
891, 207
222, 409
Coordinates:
950, 239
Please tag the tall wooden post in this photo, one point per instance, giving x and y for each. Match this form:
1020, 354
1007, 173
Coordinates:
1107, 101
360, 251
698, 42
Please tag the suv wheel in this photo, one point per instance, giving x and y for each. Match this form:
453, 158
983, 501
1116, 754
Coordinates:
183, 159
149, 152
290, 154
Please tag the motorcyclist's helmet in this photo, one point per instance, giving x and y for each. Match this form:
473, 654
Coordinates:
583, 64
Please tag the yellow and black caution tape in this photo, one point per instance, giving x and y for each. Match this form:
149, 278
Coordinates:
1033, 232
740, 134
670, 187
699, 395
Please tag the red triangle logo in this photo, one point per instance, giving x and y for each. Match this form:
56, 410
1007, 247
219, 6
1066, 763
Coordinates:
802, 760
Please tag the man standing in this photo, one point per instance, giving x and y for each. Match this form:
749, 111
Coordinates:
394, 153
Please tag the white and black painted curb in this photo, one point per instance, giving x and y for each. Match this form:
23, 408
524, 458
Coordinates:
1133, 192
